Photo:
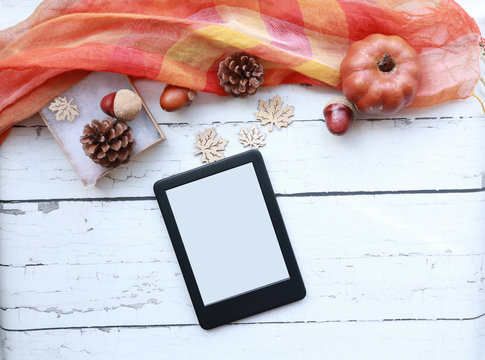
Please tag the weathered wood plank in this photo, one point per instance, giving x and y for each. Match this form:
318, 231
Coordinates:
382, 155
410, 252
101, 232
403, 340
361, 288
14, 11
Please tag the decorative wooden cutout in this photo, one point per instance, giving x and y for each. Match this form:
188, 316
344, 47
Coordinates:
272, 113
64, 109
211, 149
254, 138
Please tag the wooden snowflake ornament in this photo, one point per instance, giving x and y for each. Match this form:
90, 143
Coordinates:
212, 149
254, 138
64, 109
273, 113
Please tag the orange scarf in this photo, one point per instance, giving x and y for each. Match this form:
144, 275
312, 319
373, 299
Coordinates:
182, 42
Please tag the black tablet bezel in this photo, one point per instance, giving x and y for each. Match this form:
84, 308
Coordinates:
246, 304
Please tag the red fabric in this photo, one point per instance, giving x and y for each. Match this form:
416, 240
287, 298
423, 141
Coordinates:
181, 42
4, 135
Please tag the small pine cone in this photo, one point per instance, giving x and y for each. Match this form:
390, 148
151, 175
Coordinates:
240, 74
108, 143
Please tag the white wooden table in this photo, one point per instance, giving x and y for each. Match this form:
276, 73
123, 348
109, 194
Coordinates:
387, 223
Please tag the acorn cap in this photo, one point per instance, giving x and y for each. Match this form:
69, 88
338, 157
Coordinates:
341, 100
126, 105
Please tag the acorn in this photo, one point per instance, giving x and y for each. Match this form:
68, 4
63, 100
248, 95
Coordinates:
176, 97
339, 113
125, 105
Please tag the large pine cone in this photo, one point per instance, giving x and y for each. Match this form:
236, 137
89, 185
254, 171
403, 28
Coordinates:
240, 74
108, 143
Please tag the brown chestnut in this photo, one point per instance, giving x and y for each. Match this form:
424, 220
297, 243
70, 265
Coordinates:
339, 113
125, 105
176, 97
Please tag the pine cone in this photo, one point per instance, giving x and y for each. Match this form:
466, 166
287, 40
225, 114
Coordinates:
108, 143
240, 74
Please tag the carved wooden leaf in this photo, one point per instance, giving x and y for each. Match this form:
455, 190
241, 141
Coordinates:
64, 109
211, 149
254, 138
273, 113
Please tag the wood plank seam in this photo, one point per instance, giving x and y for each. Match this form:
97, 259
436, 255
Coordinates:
191, 124
302, 194
141, 326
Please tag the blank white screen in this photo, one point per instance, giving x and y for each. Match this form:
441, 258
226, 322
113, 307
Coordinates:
227, 234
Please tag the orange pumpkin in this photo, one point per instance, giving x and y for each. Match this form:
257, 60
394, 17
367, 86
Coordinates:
380, 74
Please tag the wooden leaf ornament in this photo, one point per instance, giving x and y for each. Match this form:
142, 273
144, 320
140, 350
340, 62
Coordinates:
273, 113
254, 138
64, 109
210, 148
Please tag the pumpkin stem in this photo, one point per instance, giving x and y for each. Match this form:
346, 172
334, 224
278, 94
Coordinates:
387, 63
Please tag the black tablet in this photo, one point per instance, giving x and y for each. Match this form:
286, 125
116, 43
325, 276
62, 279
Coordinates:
230, 240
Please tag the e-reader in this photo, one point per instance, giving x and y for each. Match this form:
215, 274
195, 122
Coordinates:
229, 239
